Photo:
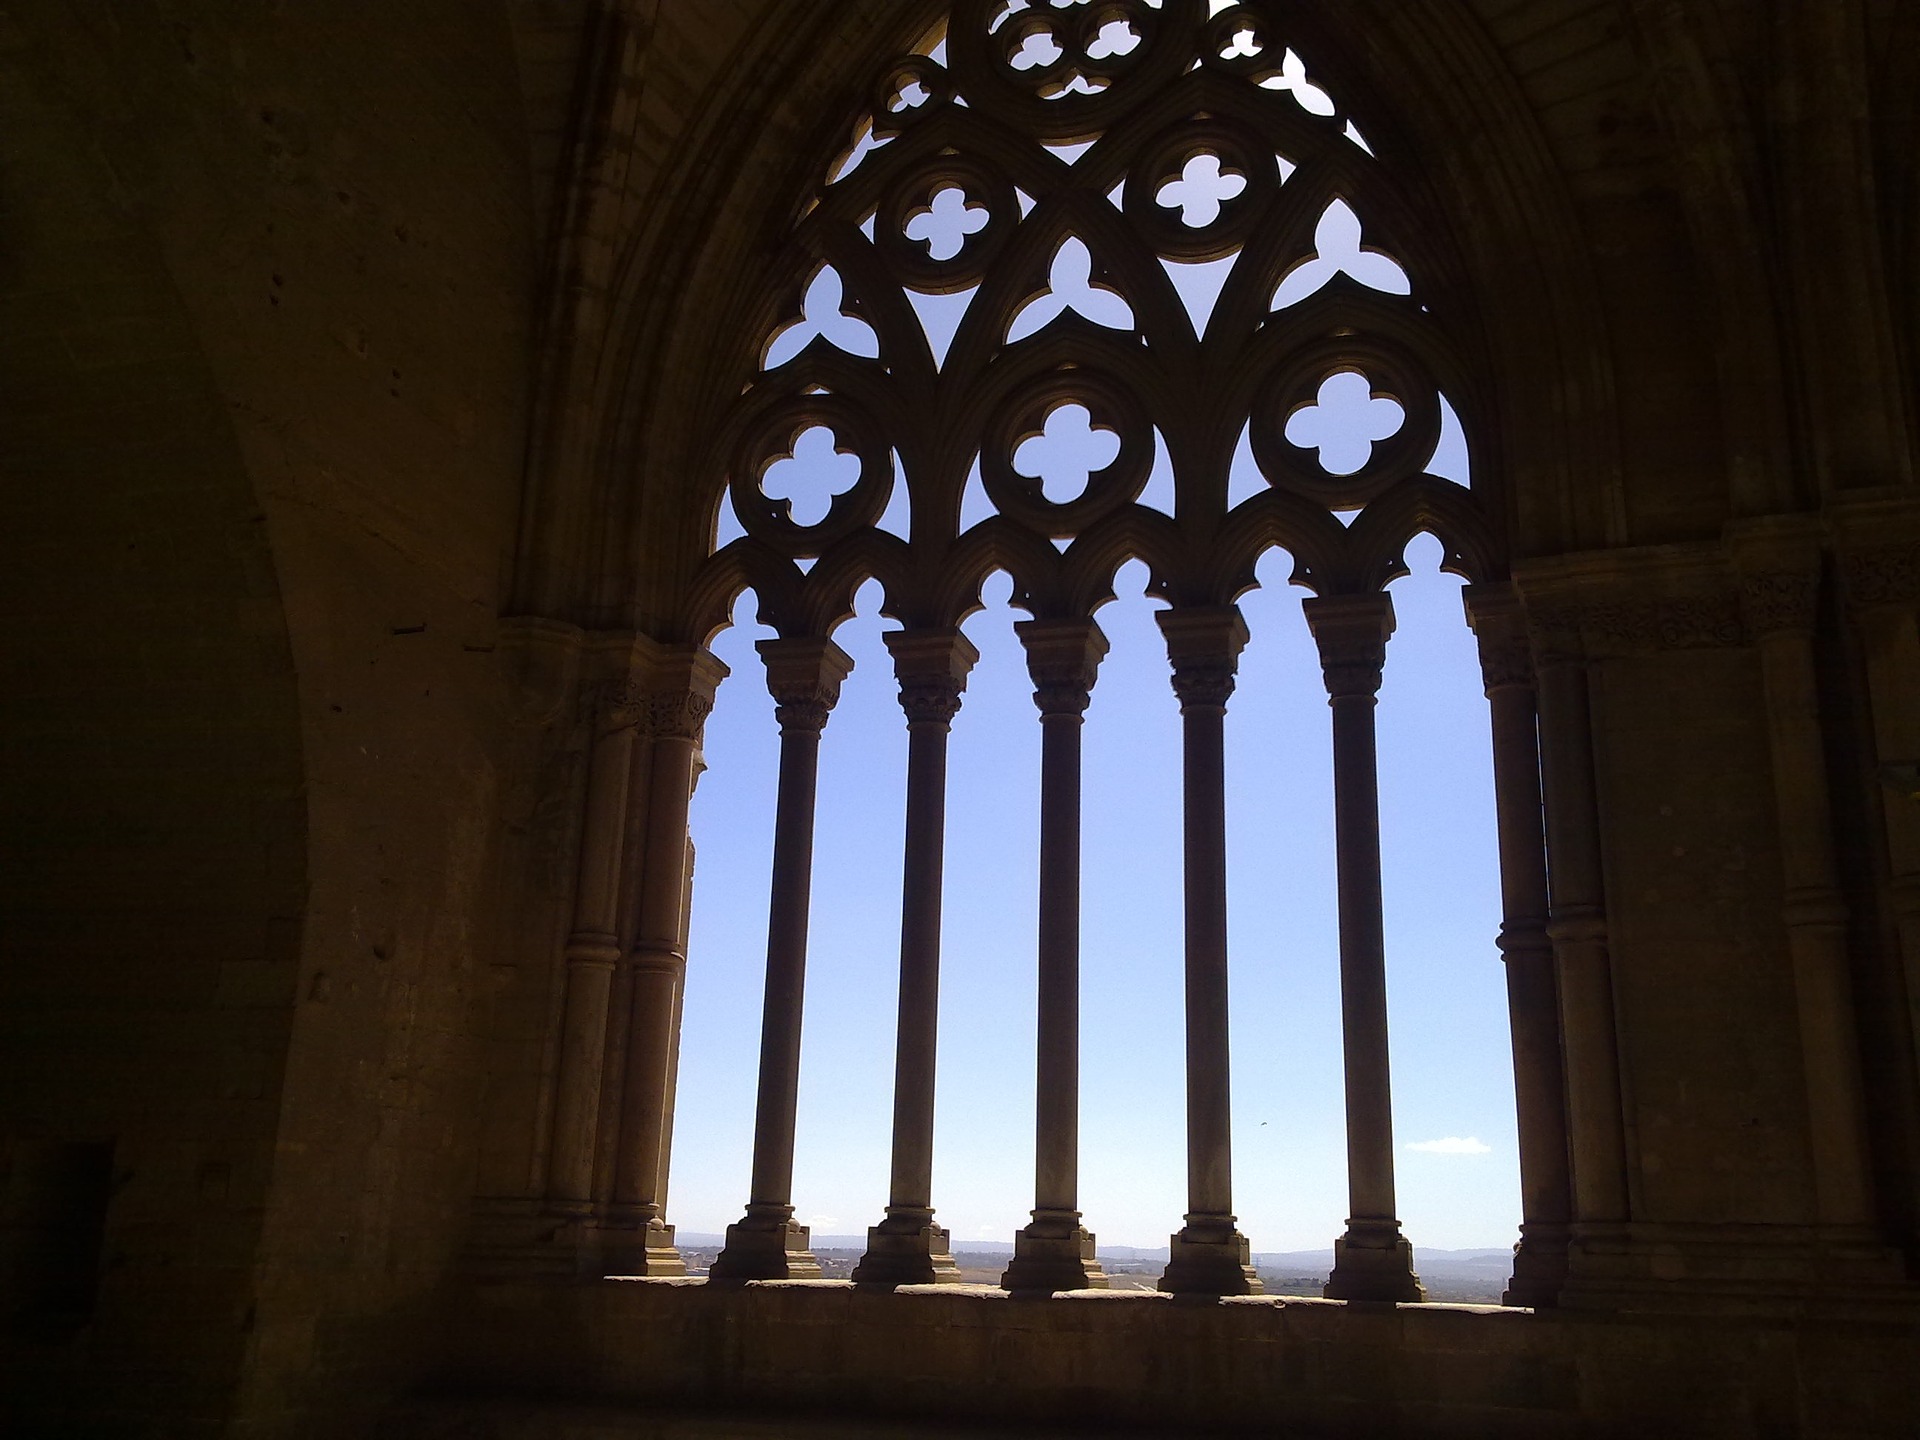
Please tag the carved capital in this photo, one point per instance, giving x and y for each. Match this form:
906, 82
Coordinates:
1780, 602
932, 667
1882, 575
1351, 631
1063, 658
1203, 644
678, 695
677, 714
803, 676
1500, 627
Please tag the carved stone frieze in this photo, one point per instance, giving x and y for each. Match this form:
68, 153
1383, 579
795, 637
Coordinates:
1779, 601
1882, 575
1670, 622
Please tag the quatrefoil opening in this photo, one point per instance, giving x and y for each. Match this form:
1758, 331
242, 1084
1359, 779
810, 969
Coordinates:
945, 222
1065, 449
1345, 419
1200, 189
809, 470
1066, 453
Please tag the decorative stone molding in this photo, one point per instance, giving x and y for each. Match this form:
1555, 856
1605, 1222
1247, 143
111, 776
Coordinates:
677, 695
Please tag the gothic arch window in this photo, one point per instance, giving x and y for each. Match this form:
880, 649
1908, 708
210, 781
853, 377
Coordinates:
1079, 256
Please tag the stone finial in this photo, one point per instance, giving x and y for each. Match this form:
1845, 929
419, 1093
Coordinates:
803, 676
1063, 659
1351, 631
932, 667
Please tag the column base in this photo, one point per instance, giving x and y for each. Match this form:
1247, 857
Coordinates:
766, 1247
642, 1246
1539, 1266
1054, 1253
907, 1249
1209, 1257
1374, 1261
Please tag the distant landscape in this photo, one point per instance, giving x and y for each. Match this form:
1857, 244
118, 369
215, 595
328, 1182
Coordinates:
1461, 1277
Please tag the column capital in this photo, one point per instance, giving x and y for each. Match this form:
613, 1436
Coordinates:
1203, 645
1063, 659
932, 667
803, 676
1499, 625
675, 693
1351, 631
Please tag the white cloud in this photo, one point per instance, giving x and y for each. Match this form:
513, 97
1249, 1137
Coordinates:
1452, 1145
817, 1222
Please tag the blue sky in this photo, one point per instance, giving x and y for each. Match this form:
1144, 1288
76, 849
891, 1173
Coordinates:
1452, 1067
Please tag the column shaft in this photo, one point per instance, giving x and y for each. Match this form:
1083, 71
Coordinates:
907, 1248
1209, 1256
1577, 927
1055, 1252
638, 1239
592, 954
1372, 1260
1533, 996
804, 676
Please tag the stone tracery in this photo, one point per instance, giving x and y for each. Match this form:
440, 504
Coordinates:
1050, 166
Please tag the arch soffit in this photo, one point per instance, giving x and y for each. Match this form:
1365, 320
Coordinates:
1542, 422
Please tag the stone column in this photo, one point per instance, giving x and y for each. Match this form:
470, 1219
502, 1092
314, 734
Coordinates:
1533, 992
1577, 928
1055, 1252
804, 675
1883, 600
592, 950
1779, 601
1372, 1260
907, 1248
637, 1239
1209, 1254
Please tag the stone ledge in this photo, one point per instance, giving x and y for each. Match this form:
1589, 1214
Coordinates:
827, 1353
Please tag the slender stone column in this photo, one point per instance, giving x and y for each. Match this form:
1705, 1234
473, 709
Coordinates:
1209, 1255
1577, 928
804, 675
1881, 563
1055, 1252
1533, 992
637, 1240
593, 949
1372, 1260
907, 1248
1779, 602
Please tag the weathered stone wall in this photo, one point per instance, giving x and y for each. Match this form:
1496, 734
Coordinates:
268, 288
330, 334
